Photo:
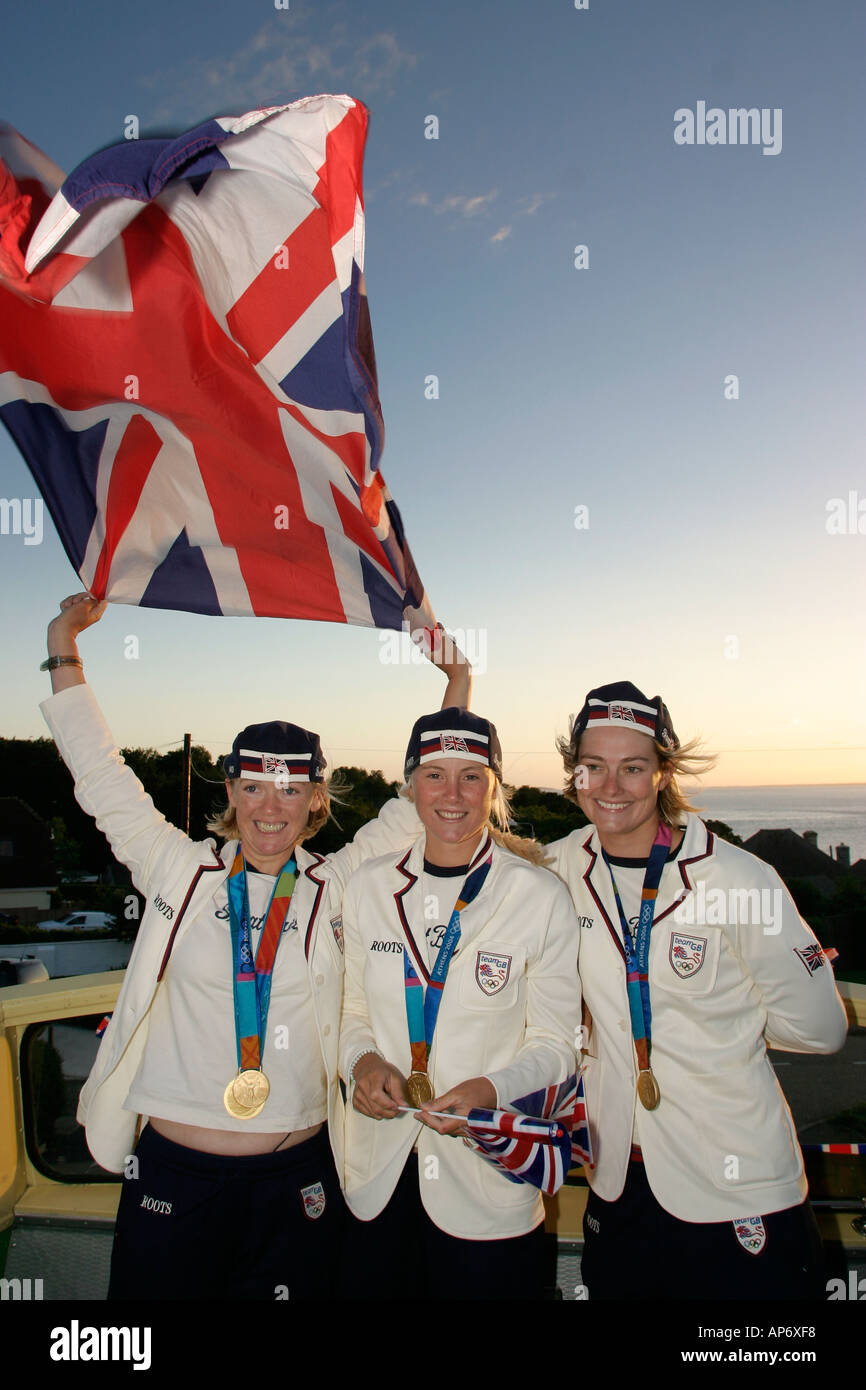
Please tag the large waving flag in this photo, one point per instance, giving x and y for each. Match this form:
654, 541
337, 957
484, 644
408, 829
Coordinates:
187, 366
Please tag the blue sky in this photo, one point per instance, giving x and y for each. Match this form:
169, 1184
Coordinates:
706, 571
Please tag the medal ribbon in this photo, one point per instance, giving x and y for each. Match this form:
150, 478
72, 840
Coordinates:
637, 952
252, 977
422, 1009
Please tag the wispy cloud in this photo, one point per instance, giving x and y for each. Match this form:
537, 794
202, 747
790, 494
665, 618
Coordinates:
279, 62
392, 178
465, 205
529, 206
379, 60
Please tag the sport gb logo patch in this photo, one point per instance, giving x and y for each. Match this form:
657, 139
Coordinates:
686, 954
751, 1233
313, 1198
492, 972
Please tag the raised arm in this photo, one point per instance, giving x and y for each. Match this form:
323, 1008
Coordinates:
77, 612
397, 823
105, 787
445, 653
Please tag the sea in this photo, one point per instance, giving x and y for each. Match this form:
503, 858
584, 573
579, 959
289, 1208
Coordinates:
836, 811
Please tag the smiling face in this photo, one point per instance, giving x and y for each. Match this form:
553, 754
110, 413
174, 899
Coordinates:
270, 817
453, 799
618, 780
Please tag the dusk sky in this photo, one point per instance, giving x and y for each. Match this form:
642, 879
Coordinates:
647, 468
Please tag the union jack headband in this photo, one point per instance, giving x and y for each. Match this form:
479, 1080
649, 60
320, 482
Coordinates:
453, 733
276, 752
622, 706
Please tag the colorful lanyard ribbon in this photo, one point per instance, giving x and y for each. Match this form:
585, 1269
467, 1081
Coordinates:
637, 952
422, 1009
252, 976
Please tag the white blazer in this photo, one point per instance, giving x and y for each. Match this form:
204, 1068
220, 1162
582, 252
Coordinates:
179, 877
729, 974
521, 1034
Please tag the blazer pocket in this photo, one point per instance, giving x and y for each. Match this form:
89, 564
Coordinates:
744, 1129
492, 977
686, 960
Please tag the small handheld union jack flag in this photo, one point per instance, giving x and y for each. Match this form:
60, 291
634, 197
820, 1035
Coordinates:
539, 1139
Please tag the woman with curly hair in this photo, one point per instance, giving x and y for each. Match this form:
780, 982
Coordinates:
693, 961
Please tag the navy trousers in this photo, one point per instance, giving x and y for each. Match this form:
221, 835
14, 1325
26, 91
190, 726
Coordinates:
197, 1225
402, 1254
634, 1249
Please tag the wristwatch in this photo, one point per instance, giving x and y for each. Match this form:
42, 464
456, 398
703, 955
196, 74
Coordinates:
52, 662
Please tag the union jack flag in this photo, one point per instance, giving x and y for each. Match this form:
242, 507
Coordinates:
539, 1139
187, 366
811, 956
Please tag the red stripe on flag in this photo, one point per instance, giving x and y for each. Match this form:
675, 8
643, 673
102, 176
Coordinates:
344, 152
277, 297
133, 462
350, 448
207, 385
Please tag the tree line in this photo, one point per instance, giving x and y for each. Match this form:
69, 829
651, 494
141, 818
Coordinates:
33, 770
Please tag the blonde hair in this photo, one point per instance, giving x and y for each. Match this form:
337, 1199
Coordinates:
225, 822
500, 819
685, 761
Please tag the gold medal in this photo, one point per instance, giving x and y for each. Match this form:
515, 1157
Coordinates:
648, 1089
245, 1095
419, 1089
238, 1112
251, 1089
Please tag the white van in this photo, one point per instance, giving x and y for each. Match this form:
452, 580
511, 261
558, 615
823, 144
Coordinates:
80, 921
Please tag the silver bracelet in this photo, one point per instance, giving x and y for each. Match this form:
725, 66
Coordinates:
367, 1052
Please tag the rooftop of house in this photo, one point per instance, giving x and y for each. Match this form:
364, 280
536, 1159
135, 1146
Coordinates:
792, 856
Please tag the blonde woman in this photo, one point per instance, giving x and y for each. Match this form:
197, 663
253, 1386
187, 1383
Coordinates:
224, 1037
693, 960
461, 992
